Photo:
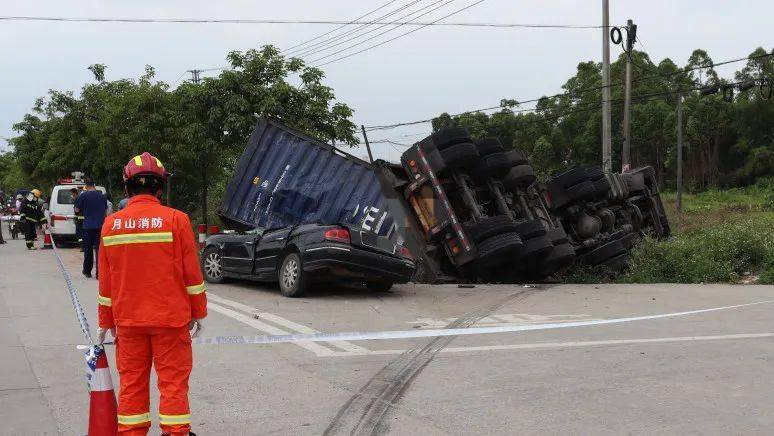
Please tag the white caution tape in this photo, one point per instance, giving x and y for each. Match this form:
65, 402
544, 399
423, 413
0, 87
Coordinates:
84, 323
411, 334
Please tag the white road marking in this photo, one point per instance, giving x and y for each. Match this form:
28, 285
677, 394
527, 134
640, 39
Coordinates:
276, 319
344, 345
559, 345
427, 333
317, 349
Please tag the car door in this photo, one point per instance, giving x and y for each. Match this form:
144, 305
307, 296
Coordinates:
269, 249
238, 253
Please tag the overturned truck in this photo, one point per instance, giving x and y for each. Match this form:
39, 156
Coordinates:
465, 210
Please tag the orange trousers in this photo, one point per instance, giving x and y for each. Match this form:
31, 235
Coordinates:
169, 351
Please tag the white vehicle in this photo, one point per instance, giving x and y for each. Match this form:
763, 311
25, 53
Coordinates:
61, 209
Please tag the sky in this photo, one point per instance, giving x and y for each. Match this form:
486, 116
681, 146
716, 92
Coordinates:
430, 71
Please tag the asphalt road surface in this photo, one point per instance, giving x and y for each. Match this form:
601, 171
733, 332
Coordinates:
707, 373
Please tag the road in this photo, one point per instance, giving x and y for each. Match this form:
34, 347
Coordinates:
706, 373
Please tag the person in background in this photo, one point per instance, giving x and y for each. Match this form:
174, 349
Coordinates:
30, 215
78, 219
93, 205
19, 199
122, 203
2, 212
109, 204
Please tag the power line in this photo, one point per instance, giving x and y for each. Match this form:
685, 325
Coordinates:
576, 110
357, 29
575, 92
341, 26
290, 21
401, 35
447, 2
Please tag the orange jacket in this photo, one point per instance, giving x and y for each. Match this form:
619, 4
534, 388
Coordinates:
149, 272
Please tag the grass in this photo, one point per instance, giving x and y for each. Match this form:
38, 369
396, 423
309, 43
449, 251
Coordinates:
722, 236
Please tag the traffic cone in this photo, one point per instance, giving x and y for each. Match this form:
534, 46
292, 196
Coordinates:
47, 244
103, 411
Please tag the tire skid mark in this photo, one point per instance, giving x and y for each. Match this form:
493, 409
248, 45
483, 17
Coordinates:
364, 412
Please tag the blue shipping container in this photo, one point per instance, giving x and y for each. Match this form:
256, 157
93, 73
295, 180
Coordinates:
285, 178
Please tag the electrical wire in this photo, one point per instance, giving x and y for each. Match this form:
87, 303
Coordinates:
341, 26
289, 21
575, 92
332, 39
393, 23
444, 3
401, 35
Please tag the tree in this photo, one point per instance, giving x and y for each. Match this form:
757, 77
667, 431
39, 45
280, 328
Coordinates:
730, 142
198, 130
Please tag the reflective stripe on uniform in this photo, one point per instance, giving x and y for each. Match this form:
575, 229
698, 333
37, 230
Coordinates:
158, 162
134, 419
105, 301
196, 289
138, 160
175, 419
137, 238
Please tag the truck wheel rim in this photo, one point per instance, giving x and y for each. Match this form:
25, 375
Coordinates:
212, 265
290, 274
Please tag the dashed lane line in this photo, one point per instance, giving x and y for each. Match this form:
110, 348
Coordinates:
320, 350
317, 349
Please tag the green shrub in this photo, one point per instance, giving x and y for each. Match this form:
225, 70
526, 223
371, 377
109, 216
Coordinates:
722, 253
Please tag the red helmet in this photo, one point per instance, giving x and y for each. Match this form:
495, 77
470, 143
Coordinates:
144, 165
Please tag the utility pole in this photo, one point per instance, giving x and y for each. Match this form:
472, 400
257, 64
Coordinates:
368, 146
606, 132
679, 196
203, 159
631, 36
195, 75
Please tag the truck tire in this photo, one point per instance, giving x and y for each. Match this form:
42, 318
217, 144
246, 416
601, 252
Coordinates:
496, 250
517, 157
520, 176
459, 155
293, 281
630, 240
534, 249
450, 136
530, 229
489, 146
493, 165
490, 226
561, 256
594, 173
581, 191
601, 188
600, 254
212, 265
569, 178
557, 236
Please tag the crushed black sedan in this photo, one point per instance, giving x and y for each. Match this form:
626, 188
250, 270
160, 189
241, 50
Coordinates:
300, 256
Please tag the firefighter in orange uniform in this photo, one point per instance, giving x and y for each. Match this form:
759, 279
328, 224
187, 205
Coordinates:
152, 291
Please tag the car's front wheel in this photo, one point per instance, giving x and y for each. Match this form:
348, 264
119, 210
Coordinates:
292, 279
212, 265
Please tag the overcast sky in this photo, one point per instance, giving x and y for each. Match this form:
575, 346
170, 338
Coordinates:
433, 70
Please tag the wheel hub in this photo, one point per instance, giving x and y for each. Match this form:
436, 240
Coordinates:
212, 265
290, 274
